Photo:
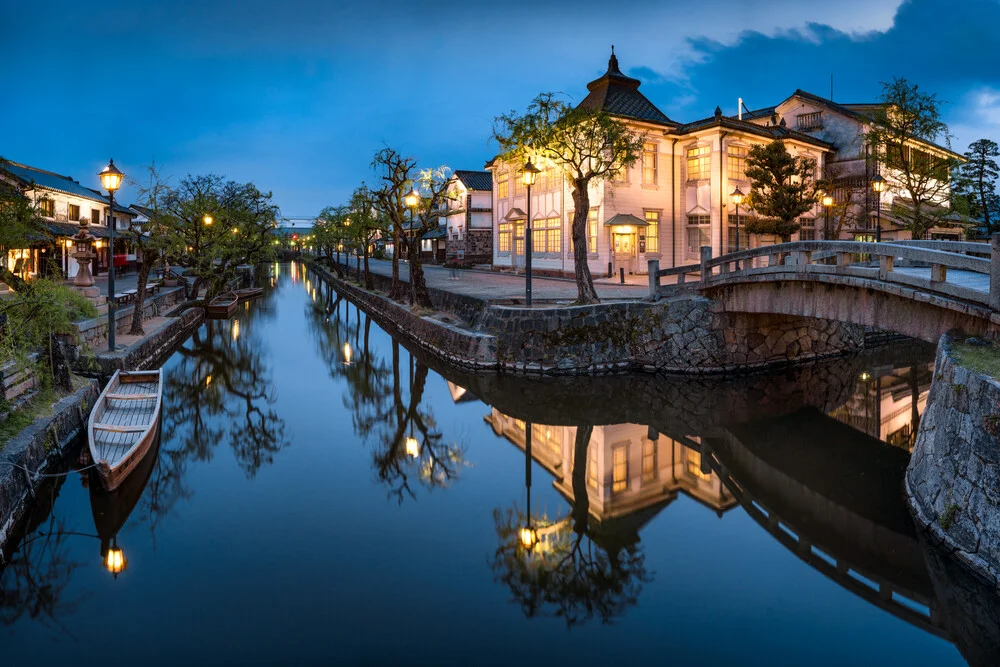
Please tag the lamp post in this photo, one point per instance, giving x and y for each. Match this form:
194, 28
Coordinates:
528, 175
878, 185
411, 201
737, 198
828, 205
111, 179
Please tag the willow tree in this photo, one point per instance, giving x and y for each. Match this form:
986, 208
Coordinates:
395, 176
782, 188
588, 145
919, 175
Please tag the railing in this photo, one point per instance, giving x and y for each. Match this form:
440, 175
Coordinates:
873, 261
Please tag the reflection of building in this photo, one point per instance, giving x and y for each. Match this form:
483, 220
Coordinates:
629, 467
888, 403
460, 394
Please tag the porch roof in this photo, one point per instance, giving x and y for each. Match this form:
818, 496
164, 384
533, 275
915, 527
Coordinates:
626, 219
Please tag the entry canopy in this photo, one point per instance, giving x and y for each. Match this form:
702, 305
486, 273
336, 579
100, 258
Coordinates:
626, 219
515, 214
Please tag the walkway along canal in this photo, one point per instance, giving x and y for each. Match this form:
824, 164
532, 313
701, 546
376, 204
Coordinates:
323, 492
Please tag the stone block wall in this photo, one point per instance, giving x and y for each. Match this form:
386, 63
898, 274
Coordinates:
17, 380
93, 333
478, 247
953, 480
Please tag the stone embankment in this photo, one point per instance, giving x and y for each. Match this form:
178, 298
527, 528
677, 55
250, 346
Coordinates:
687, 334
953, 480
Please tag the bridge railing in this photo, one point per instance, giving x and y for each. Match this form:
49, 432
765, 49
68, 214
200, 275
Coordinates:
874, 261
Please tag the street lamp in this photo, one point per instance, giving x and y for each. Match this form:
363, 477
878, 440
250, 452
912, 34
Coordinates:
208, 220
411, 201
528, 175
828, 205
737, 198
111, 179
878, 185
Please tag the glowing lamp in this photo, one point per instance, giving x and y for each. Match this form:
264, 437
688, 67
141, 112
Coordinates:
111, 177
878, 183
827, 201
737, 196
208, 220
529, 173
412, 198
529, 537
865, 376
347, 354
115, 561
236, 328
98, 244
236, 230
412, 447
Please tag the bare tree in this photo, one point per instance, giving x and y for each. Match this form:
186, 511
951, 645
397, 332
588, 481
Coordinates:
395, 175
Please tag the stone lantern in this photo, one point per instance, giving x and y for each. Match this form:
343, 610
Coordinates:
84, 255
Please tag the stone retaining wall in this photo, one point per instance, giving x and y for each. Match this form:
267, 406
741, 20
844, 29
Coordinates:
953, 480
93, 333
39, 448
148, 352
681, 335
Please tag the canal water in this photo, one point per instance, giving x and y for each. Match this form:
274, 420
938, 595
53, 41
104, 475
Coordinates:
321, 495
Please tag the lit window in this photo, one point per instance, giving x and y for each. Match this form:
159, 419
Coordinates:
649, 163
73, 212
47, 208
95, 216
736, 161
808, 229
699, 162
698, 234
653, 231
731, 245
518, 185
592, 231
619, 457
648, 460
506, 229
553, 235
502, 185
538, 237
519, 238
694, 465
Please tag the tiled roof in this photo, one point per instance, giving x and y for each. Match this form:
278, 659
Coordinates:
619, 95
771, 131
50, 181
475, 180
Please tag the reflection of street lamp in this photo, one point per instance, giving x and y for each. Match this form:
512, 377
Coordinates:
111, 179
878, 185
347, 354
528, 175
528, 534
115, 560
737, 198
412, 447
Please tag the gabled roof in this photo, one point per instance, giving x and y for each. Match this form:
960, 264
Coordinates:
769, 131
475, 180
619, 95
48, 180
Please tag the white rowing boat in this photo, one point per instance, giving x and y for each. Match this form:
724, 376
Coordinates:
124, 423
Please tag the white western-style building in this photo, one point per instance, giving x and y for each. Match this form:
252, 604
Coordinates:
676, 197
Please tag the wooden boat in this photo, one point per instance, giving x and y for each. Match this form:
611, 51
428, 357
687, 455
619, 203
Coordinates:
248, 293
124, 423
223, 306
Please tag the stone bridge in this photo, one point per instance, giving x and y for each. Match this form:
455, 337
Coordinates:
921, 289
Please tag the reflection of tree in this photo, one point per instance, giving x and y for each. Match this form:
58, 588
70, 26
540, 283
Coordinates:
35, 581
220, 391
383, 419
571, 573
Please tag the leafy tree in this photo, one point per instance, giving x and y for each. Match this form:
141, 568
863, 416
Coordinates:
918, 176
975, 188
19, 221
330, 232
367, 225
588, 145
432, 184
782, 188
395, 174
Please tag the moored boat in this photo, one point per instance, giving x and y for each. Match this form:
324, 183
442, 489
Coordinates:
123, 424
248, 293
223, 306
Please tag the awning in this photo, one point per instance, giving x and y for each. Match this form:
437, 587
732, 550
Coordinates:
515, 215
626, 219
438, 233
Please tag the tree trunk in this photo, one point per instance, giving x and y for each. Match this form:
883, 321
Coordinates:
584, 281
581, 501
14, 281
59, 362
140, 297
368, 274
418, 285
396, 288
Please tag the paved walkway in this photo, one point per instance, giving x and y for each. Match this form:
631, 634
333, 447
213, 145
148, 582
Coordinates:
494, 285
968, 279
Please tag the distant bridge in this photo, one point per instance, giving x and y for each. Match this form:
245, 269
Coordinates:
917, 288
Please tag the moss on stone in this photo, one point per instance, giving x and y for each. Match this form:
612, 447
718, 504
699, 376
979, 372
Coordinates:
983, 359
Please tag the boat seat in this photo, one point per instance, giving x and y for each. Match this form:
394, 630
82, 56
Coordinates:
132, 397
119, 429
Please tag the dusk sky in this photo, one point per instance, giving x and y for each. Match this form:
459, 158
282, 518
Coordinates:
297, 95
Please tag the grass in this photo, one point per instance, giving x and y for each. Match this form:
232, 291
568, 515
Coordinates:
983, 359
41, 405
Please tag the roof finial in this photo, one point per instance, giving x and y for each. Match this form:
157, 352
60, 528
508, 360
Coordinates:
718, 112
613, 61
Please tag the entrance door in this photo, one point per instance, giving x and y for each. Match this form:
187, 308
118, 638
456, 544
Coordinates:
518, 245
623, 249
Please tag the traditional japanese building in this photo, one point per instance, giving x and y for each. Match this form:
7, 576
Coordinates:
469, 218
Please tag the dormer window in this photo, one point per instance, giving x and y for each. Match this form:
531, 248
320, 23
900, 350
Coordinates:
809, 121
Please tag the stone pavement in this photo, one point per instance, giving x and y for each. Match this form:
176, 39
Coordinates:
490, 285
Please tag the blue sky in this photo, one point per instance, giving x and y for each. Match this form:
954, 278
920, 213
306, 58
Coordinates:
297, 95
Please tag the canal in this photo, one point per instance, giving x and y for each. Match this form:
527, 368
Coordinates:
321, 495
